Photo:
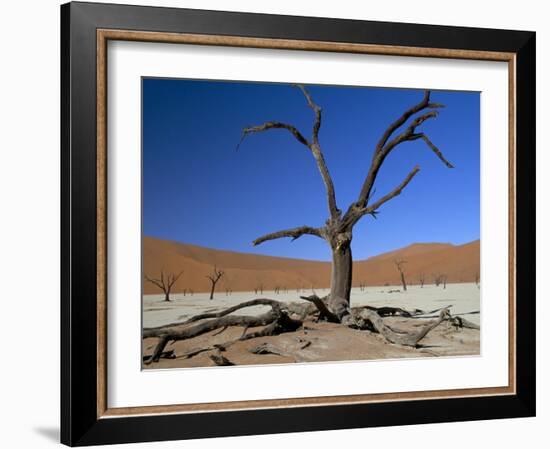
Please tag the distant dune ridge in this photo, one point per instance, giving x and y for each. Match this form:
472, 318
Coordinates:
246, 272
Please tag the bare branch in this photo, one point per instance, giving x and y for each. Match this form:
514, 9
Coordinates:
156, 282
316, 109
436, 150
425, 103
385, 146
254, 302
173, 278
399, 264
331, 195
395, 192
274, 125
318, 155
312, 145
294, 233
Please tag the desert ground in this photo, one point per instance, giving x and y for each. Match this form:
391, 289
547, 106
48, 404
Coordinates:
319, 341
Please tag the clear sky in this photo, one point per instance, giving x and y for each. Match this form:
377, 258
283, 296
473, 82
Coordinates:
198, 189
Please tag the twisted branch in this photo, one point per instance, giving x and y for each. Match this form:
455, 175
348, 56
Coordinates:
294, 233
312, 145
373, 208
276, 321
384, 146
274, 125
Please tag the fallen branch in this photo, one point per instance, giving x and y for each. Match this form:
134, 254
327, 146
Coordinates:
369, 319
276, 321
390, 311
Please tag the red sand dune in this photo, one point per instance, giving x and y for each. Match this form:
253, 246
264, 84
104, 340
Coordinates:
245, 272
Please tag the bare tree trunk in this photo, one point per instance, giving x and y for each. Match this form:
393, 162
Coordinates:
340, 285
214, 278
167, 296
399, 265
403, 281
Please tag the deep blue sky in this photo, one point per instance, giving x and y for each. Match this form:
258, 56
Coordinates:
198, 189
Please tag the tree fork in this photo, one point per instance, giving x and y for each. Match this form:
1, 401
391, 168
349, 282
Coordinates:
338, 228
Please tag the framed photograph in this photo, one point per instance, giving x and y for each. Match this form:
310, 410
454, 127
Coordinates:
282, 224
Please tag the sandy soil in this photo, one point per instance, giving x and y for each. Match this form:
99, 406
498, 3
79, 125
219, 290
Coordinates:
322, 341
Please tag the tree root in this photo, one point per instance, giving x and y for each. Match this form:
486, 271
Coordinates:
368, 319
171, 354
220, 360
278, 320
462, 323
267, 348
324, 311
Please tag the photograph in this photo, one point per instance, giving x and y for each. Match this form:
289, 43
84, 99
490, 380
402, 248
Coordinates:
302, 223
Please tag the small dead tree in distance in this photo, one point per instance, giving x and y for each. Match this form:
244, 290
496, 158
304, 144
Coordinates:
422, 279
214, 278
399, 265
165, 282
440, 278
338, 228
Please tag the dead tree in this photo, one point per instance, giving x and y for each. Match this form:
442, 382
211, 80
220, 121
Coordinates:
165, 282
338, 228
399, 265
214, 278
440, 278
422, 279
477, 278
